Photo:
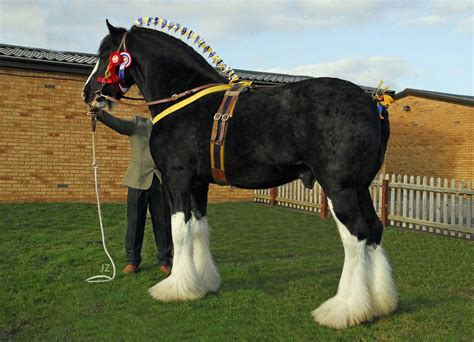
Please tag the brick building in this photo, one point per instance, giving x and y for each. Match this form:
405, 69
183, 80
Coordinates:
45, 144
432, 134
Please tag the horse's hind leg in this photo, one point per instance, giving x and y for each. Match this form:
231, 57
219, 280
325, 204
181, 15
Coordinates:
352, 304
205, 267
183, 282
381, 284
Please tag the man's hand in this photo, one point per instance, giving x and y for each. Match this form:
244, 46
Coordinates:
94, 112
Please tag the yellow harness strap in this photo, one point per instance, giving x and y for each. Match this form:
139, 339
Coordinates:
195, 97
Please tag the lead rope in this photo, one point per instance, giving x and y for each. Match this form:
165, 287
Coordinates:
102, 278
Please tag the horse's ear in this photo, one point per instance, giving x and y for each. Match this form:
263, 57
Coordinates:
112, 30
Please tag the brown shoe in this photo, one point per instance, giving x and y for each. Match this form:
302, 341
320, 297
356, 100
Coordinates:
130, 268
165, 269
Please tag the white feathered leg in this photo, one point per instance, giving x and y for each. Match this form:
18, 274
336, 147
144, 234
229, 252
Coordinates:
182, 283
381, 284
352, 304
205, 267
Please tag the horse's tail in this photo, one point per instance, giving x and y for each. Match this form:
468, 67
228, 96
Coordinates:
385, 135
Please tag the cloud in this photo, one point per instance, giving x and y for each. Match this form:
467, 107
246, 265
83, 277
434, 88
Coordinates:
19, 24
366, 71
219, 18
446, 14
452, 7
430, 20
71, 25
466, 25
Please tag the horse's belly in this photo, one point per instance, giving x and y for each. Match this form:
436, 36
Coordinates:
260, 178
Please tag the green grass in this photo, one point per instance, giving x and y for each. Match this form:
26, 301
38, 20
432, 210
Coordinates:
276, 264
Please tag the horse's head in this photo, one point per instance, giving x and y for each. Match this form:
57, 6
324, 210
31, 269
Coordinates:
108, 76
162, 65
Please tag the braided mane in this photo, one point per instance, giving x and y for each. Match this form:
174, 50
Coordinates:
162, 24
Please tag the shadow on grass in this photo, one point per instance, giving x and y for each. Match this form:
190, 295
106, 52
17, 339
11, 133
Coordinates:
410, 305
280, 278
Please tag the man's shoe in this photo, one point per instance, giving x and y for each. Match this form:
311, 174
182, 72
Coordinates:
130, 268
165, 269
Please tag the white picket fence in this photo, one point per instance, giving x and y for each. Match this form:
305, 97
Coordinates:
293, 195
440, 206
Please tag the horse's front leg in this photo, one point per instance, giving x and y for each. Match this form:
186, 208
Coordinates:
183, 282
205, 267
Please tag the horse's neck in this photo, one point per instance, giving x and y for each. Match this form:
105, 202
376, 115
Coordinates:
169, 85
165, 75
183, 80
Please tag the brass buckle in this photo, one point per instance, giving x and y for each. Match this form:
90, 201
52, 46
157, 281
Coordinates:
217, 116
225, 117
174, 97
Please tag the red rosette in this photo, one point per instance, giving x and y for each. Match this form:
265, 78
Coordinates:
115, 58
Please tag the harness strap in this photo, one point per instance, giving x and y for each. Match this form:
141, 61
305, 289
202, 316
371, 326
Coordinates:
173, 97
219, 130
189, 100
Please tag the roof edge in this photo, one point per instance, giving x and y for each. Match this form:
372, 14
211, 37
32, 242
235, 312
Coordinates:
49, 50
464, 100
48, 66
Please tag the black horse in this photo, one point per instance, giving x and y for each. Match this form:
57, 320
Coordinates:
323, 129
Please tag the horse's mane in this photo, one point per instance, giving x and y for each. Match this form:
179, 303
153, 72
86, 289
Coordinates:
184, 32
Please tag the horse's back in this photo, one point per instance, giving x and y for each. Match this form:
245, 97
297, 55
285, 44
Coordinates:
313, 126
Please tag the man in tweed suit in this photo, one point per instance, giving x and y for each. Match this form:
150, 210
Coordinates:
144, 191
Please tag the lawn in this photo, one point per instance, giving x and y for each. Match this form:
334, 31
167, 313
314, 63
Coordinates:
276, 265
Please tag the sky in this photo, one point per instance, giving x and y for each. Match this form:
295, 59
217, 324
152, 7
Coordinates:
419, 44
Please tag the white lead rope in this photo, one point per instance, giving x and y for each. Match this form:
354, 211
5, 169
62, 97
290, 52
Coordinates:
103, 278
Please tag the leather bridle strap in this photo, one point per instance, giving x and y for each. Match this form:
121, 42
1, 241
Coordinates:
122, 42
172, 98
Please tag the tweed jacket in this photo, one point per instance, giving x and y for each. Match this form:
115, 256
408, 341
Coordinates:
141, 169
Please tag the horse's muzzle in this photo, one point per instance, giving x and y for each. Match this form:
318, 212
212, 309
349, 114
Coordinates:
98, 101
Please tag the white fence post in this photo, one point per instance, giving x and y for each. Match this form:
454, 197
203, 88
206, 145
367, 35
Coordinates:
418, 203
424, 208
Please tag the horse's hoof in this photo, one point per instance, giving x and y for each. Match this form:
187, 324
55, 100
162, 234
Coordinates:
337, 313
172, 289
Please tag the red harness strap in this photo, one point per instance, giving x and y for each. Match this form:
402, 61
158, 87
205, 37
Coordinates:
219, 129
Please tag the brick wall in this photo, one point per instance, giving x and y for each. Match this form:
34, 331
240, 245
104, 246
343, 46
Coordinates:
45, 143
434, 138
